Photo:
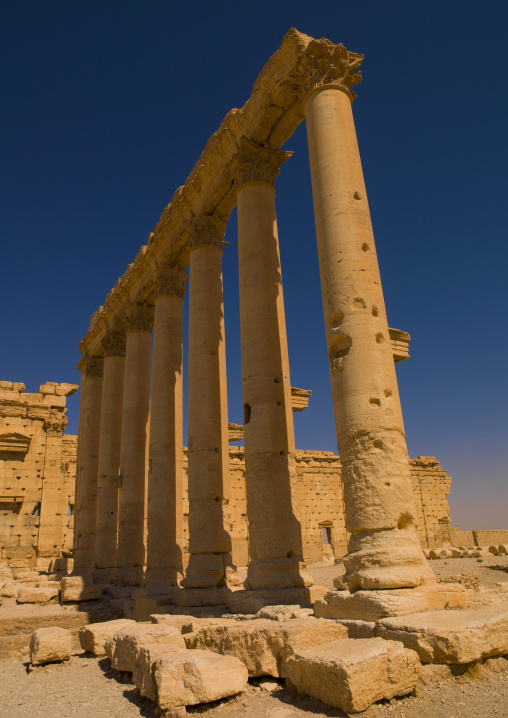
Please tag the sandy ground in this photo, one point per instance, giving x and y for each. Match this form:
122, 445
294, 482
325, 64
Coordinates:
85, 687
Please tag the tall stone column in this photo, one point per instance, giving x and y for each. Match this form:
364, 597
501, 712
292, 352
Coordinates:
165, 474
384, 550
133, 463
109, 457
209, 539
275, 535
86, 506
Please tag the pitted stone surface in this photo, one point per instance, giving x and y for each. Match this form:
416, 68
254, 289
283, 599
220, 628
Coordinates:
93, 637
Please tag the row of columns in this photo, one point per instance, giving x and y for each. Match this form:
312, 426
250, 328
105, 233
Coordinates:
132, 403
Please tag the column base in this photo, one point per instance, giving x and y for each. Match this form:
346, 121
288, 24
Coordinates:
277, 573
103, 575
210, 570
146, 605
128, 576
253, 601
374, 605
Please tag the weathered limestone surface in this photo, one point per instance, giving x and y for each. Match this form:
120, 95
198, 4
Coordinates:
265, 645
192, 677
37, 594
77, 588
51, 644
37, 468
253, 601
123, 647
452, 636
373, 605
93, 638
352, 674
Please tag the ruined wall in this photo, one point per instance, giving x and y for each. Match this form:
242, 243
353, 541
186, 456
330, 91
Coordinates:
431, 486
37, 470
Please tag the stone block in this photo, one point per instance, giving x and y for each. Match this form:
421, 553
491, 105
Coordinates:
123, 647
252, 601
10, 589
48, 645
37, 595
18, 386
353, 674
143, 675
264, 645
460, 636
192, 677
93, 637
202, 596
374, 605
284, 613
76, 588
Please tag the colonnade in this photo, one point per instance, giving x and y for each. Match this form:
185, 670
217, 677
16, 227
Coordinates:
129, 483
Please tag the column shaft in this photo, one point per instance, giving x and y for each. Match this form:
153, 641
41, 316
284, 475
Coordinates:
135, 415
275, 537
384, 551
109, 469
208, 423
165, 490
84, 554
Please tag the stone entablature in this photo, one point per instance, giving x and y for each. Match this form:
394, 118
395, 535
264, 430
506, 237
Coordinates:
37, 472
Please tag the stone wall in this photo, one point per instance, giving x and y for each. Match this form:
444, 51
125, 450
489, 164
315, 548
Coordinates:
37, 473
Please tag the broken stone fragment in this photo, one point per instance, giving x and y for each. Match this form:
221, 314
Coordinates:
352, 674
264, 645
48, 645
123, 647
93, 637
191, 677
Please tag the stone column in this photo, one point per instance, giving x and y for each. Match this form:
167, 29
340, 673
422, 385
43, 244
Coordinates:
209, 540
109, 457
275, 535
86, 503
165, 474
384, 550
135, 416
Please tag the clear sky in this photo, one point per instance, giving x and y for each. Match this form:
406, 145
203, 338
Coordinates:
106, 107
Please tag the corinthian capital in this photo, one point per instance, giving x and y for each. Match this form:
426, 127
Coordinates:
255, 163
171, 281
91, 366
114, 344
139, 318
324, 63
208, 230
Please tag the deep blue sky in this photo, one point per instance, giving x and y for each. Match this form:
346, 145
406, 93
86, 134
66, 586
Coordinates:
108, 105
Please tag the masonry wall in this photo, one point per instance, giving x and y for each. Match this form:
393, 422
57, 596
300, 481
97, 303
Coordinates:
37, 470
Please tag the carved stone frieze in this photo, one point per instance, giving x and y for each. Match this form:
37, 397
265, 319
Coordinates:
256, 163
114, 344
324, 63
139, 318
171, 281
208, 230
91, 366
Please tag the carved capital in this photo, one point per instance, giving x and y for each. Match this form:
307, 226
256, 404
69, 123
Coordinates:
171, 281
139, 318
92, 366
324, 63
55, 426
114, 344
208, 230
255, 163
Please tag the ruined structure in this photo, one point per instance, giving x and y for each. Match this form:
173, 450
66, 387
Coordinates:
130, 436
37, 474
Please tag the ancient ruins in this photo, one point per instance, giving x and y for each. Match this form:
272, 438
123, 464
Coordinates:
189, 626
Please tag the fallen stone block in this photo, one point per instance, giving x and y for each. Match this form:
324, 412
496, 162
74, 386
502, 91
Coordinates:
37, 595
143, 675
123, 647
93, 637
192, 677
10, 589
460, 636
353, 674
76, 588
264, 645
48, 645
284, 613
